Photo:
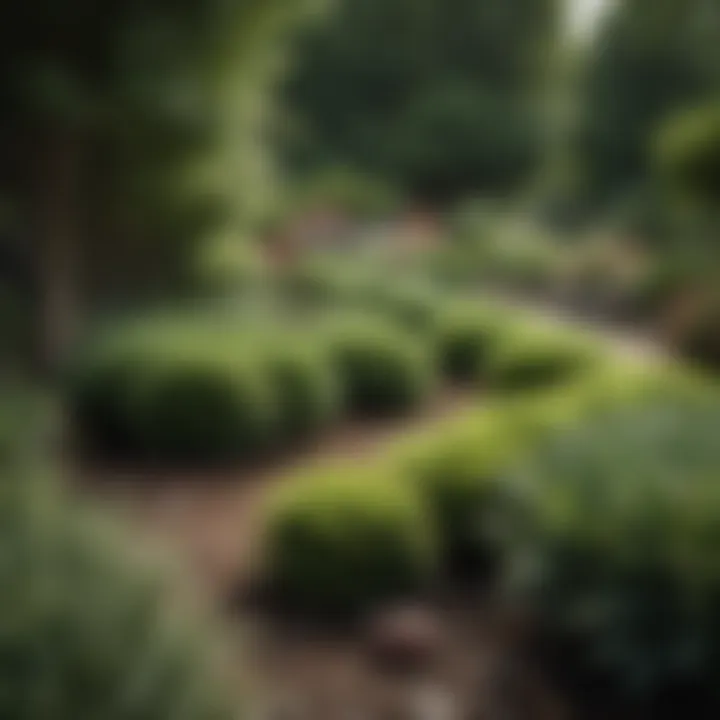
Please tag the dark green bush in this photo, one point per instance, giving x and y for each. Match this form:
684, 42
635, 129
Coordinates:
88, 630
383, 371
459, 467
204, 407
101, 398
340, 543
321, 282
457, 472
528, 357
173, 394
614, 550
466, 335
306, 388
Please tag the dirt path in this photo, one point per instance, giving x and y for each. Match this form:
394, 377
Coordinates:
212, 519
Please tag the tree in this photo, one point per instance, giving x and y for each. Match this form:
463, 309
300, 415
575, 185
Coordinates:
651, 58
438, 95
113, 121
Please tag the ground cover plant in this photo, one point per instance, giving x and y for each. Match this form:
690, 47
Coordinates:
614, 553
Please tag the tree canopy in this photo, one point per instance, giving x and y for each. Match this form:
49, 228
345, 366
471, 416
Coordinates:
439, 95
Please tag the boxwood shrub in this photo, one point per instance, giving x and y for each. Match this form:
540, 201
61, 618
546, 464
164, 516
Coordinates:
203, 407
306, 387
460, 465
457, 471
614, 551
172, 393
528, 357
466, 334
382, 370
339, 543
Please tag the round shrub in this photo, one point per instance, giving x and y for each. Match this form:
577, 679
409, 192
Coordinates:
527, 358
413, 305
457, 473
101, 400
339, 545
382, 370
88, 630
306, 389
614, 546
203, 407
465, 337
172, 394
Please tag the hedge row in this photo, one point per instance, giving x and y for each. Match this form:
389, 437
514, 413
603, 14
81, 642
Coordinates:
204, 393
595, 506
203, 390
454, 470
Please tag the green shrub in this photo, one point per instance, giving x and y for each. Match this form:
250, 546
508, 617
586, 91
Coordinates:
340, 543
383, 371
457, 471
322, 282
413, 305
88, 629
203, 408
173, 393
306, 389
614, 549
459, 465
529, 357
101, 399
466, 335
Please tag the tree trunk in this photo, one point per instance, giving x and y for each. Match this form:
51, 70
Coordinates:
57, 213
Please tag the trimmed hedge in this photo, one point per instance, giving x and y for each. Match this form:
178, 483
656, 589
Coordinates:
307, 390
457, 473
459, 466
614, 550
383, 370
88, 630
340, 543
172, 396
527, 357
466, 335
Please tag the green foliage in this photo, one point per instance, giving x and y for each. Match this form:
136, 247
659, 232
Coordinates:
307, 391
206, 406
460, 467
457, 472
321, 282
91, 629
458, 140
341, 543
649, 61
528, 357
437, 96
415, 305
467, 333
145, 125
689, 153
173, 395
614, 549
357, 195
383, 370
